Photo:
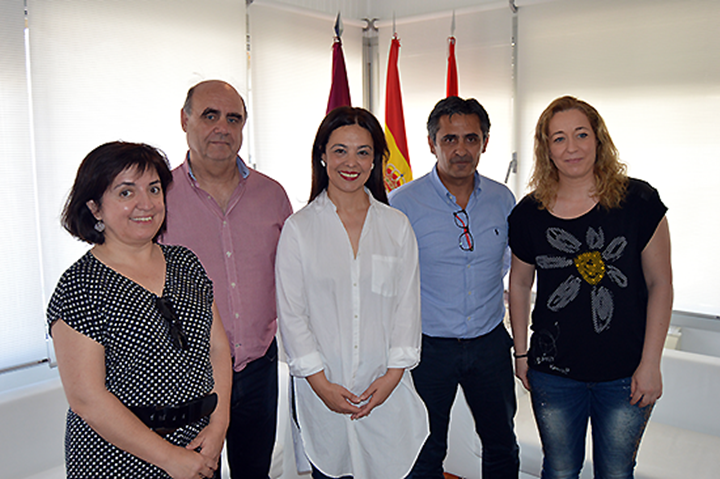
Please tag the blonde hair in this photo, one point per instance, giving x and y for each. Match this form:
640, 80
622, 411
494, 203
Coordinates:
610, 174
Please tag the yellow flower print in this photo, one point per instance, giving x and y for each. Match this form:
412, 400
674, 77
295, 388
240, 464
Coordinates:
591, 265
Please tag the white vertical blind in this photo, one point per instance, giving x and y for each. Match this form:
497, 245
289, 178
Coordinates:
22, 337
652, 69
291, 77
100, 71
118, 70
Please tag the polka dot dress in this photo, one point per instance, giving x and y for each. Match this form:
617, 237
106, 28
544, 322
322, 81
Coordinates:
143, 367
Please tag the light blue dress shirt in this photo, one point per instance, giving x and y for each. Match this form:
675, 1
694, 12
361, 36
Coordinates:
461, 291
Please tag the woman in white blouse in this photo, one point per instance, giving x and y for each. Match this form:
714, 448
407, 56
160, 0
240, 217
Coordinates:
348, 292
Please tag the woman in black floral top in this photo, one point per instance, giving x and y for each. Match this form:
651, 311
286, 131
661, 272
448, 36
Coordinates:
599, 245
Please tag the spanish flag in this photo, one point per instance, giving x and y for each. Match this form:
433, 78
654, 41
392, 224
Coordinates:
397, 167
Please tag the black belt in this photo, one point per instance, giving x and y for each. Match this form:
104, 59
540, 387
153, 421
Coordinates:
165, 420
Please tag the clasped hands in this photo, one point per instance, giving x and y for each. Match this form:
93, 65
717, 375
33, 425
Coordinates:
340, 400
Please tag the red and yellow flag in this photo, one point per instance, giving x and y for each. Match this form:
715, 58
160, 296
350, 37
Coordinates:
397, 168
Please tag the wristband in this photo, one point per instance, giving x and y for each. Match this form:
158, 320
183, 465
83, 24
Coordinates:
520, 356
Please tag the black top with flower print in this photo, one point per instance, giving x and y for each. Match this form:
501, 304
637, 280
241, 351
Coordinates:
143, 367
589, 317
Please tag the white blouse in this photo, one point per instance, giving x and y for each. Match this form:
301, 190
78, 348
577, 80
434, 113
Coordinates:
353, 317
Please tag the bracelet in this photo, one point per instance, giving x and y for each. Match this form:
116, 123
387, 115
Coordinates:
520, 356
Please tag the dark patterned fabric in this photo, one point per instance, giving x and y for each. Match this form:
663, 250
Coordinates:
590, 311
143, 367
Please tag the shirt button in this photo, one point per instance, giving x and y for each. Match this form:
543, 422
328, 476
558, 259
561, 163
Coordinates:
237, 315
469, 293
468, 318
224, 223
232, 284
229, 253
237, 345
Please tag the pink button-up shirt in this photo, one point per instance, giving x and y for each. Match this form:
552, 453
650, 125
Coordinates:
236, 248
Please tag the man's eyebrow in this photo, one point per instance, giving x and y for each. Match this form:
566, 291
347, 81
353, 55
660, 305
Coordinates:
449, 136
210, 111
235, 115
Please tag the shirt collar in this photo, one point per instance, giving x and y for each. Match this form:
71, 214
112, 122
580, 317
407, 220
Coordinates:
443, 191
242, 167
323, 200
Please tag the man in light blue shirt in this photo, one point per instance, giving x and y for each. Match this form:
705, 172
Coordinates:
460, 221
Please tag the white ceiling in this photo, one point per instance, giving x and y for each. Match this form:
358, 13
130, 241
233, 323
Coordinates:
384, 9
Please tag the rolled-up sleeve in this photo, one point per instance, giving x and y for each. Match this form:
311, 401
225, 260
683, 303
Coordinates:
407, 332
303, 356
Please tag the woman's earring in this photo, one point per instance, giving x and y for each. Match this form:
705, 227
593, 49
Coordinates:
99, 226
322, 162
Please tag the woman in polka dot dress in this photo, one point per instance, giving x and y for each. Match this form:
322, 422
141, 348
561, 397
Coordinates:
141, 351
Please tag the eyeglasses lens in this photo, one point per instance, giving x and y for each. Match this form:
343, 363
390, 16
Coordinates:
179, 339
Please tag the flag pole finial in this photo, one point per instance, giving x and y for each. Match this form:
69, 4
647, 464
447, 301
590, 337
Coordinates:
452, 25
338, 26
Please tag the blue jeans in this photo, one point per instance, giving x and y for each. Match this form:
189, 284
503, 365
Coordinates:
483, 368
253, 417
562, 408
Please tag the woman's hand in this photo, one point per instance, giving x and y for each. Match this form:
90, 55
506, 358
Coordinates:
378, 392
646, 386
336, 398
209, 443
521, 370
187, 464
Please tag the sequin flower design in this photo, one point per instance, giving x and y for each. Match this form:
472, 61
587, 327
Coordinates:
591, 265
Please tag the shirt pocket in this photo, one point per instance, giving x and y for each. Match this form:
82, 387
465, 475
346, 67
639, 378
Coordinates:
493, 237
384, 275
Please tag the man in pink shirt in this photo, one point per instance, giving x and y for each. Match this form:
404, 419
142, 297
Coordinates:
231, 217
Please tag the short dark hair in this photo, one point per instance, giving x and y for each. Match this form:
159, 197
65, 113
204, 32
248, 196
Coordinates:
344, 116
95, 175
453, 105
187, 106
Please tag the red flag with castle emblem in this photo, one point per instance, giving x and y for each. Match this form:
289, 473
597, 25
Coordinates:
397, 168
